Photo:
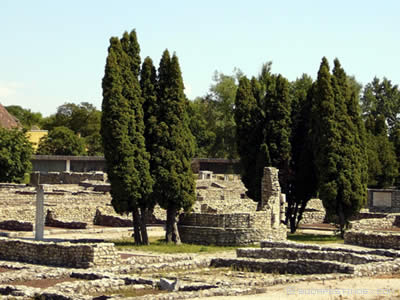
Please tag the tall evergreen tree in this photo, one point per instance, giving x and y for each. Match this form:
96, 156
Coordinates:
174, 147
122, 130
278, 126
253, 151
302, 170
339, 157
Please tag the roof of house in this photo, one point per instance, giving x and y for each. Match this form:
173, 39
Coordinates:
7, 120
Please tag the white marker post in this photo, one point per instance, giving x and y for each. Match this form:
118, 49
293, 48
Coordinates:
39, 225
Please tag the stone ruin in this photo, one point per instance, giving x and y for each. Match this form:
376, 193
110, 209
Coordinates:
233, 218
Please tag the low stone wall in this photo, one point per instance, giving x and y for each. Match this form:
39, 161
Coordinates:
299, 254
381, 221
226, 229
110, 221
62, 254
283, 266
65, 177
52, 222
294, 245
220, 236
234, 220
14, 225
373, 239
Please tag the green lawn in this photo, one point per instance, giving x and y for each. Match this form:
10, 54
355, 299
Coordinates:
314, 238
157, 244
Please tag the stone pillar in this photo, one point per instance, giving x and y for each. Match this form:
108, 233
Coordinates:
39, 224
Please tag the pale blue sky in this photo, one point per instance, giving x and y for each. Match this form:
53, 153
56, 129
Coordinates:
54, 52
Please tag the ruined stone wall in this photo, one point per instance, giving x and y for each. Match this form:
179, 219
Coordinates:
314, 212
63, 254
273, 202
385, 221
217, 195
243, 224
373, 239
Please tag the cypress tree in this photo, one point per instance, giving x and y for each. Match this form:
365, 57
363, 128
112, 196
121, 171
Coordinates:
303, 176
122, 130
174, 146
254, 155
326, 138
339, 150
148, 85
278, 124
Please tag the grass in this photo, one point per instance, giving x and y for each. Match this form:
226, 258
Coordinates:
315, 238
159, 245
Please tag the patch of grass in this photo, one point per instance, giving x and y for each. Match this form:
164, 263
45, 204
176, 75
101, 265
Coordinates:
159, 245
315, 238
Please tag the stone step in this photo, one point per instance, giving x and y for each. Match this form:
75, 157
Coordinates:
298, 254
355, 250
284, 266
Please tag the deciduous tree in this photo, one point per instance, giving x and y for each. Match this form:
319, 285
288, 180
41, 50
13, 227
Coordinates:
15, 155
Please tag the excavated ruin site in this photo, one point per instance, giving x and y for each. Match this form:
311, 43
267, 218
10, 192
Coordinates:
75, 261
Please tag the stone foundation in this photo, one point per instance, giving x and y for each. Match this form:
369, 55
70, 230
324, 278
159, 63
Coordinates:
63, 254
373, 239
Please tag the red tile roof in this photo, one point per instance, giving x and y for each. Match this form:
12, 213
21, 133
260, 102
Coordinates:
7, 120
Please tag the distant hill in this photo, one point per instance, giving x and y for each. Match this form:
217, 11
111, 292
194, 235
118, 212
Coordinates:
7, 120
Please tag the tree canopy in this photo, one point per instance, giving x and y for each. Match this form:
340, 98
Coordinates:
61, 141
15, 155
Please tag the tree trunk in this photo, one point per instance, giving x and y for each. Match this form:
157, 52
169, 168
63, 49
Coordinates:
172, 233
136, 227
144, 217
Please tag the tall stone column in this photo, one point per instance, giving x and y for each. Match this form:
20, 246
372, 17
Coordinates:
39, 224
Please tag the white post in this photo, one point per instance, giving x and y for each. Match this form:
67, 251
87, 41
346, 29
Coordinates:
39, 225
67, 165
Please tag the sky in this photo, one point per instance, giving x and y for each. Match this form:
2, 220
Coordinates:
54, 52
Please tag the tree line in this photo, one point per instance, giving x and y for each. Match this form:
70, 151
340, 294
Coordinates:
329, 137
